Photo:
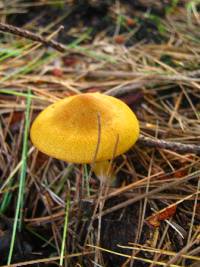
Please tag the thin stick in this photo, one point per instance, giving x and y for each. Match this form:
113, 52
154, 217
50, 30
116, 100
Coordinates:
19, 206
33, 36
174, 146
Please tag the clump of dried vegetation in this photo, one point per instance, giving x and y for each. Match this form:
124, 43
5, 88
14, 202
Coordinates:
144, 52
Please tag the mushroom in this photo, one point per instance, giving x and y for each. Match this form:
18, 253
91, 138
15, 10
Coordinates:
86, 128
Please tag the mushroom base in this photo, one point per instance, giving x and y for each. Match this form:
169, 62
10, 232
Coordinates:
103, 170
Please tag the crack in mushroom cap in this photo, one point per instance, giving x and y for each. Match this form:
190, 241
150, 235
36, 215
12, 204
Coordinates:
68, 129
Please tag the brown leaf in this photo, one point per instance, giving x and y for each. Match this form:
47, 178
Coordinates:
130, 22
180, 173
57, 72
70, 61
162, 215
119, 39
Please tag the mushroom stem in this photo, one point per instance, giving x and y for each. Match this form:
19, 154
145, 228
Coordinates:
103, 170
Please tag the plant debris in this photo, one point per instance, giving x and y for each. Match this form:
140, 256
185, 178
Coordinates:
143, 52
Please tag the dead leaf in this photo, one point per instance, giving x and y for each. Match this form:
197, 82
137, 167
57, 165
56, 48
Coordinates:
119, 39
162, 215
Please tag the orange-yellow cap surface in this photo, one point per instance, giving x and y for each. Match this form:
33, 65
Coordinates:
69, 128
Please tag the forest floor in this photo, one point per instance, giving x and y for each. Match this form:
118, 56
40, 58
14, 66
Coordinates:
147, 53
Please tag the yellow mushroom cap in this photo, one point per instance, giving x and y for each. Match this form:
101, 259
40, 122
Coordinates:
69, 128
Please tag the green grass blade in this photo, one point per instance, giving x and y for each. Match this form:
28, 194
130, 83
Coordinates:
5, 202
62, 253
18, 213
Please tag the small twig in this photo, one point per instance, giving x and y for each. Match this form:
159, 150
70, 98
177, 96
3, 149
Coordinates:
32, 36
174, 146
